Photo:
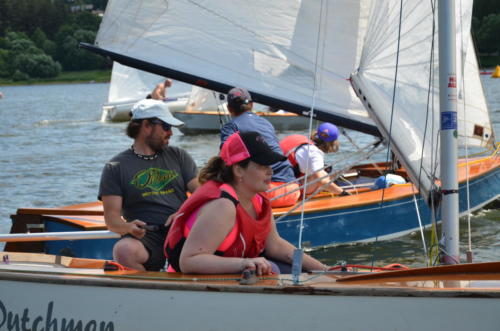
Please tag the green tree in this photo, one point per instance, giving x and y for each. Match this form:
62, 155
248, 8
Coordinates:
4, 63
485, 7
39, 38
37, 65
78, 59
487, 36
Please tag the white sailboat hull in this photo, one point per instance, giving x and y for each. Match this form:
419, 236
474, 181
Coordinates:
121, 112
212, 121
150, 305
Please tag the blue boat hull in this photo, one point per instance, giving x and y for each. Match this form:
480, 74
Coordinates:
366, 223
381, 220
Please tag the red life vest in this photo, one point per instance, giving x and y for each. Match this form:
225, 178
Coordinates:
252, 235
289, 145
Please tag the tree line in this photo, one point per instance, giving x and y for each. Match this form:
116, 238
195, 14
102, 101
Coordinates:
39, 38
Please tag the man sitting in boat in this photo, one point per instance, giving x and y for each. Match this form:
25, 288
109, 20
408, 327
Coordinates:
160, 90
307, 155
227, 224
239, 104
146, 184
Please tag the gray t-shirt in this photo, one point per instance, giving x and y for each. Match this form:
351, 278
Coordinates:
151, 189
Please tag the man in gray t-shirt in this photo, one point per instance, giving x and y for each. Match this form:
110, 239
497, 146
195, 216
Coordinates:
142, 186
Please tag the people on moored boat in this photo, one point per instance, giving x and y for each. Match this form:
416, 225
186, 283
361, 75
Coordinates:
239, 104
160, 90
146, 184
307, 155
227, 226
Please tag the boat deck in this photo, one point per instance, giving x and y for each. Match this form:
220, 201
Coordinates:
481, 279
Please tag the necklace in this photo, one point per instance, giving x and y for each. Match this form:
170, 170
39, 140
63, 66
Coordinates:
144, 157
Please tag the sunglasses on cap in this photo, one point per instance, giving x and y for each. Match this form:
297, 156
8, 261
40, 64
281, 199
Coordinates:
165, 126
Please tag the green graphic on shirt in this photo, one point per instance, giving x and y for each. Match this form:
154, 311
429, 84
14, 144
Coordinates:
153, 178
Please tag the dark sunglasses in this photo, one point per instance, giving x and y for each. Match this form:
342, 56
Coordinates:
165, 126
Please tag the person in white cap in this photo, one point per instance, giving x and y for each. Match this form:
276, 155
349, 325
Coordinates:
145, 184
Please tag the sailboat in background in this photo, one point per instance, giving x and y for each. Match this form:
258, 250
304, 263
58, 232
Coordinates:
202, 110
129, 85
282, 64
466, 296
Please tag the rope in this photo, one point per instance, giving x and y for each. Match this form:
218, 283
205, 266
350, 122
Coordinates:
420, 223
394, 91
469, 233
364, 152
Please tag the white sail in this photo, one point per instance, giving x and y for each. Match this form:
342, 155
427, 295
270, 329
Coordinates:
414, 122
201, 99
473, 116
300, 52
130, 85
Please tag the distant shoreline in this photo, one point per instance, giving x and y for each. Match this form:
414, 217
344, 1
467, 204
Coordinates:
68, 77
487, 63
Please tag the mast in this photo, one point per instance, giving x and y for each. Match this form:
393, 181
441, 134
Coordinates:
448, 135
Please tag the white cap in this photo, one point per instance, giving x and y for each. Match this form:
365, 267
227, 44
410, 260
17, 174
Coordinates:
149, 108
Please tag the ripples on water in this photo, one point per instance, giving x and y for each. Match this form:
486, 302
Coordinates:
53, 148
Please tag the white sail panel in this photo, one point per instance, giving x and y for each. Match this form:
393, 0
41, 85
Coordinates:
413, 124
297, 51
130, 85
473, 116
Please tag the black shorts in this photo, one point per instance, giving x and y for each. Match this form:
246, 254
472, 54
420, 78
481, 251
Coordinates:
153, 241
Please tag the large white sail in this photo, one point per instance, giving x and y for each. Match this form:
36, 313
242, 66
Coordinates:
413, 123
298, 52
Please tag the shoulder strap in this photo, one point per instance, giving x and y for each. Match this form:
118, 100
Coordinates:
226, 195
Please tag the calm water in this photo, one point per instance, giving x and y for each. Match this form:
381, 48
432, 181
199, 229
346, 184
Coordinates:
53, 147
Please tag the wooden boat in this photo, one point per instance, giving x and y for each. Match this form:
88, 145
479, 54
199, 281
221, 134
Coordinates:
366, 216
62, 293
454, 297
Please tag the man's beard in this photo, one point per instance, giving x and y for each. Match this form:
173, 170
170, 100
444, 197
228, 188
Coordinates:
156, 144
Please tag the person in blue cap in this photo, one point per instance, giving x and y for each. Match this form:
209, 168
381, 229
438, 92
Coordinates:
307, 155
283, 192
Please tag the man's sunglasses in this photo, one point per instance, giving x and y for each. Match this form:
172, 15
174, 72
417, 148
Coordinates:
165, 126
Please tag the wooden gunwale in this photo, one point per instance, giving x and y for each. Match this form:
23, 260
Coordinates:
322, 285
92, 212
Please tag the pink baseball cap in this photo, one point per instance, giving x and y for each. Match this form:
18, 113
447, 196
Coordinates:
248, 145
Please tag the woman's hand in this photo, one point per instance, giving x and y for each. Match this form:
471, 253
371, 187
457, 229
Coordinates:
259, 264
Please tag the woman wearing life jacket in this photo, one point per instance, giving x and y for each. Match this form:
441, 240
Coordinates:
227, 226
309, 155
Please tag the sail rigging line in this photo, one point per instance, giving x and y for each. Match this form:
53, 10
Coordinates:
429, 105
220, 110
469, 232
332, 175
420, 224
393, 93
365, 153
311, 115
344, 132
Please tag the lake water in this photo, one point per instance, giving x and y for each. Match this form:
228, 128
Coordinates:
53, 148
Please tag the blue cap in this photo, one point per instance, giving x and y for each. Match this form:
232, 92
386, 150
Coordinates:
327, 132
380, 183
